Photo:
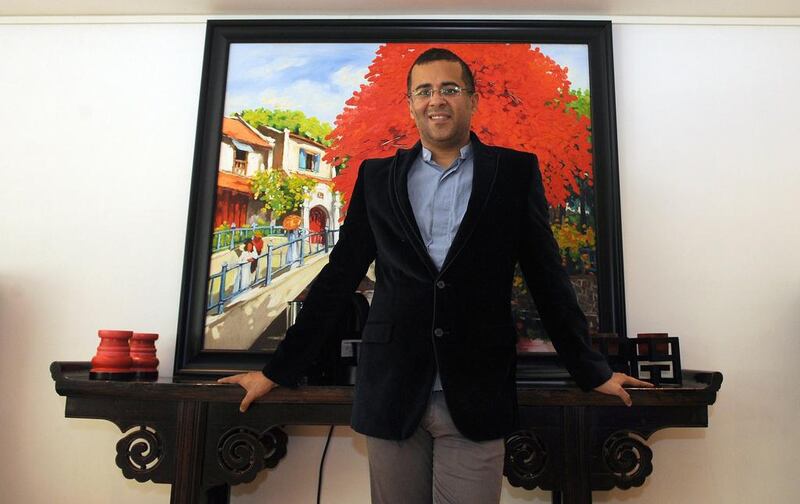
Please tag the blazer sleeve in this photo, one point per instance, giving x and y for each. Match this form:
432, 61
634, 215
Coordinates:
330, 292
552, 290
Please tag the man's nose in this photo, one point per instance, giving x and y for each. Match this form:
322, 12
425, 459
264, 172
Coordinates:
436, 98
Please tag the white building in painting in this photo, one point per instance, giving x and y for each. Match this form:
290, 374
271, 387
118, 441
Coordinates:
296, 154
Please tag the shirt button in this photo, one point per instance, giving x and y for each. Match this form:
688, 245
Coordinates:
438, 332
440, 284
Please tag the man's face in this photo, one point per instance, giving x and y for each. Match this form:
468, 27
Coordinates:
442, 122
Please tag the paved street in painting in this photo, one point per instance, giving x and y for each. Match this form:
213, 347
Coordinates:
247, 317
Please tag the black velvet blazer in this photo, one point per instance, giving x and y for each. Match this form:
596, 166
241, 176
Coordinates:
458, 319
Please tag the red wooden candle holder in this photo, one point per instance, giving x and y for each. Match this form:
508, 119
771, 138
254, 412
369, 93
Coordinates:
112, 360
143, 353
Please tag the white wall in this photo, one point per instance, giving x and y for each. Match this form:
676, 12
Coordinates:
708, 122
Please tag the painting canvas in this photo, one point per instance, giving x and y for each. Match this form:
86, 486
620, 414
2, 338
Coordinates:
295, 120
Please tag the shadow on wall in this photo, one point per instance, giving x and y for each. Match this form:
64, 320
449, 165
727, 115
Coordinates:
641, 494
299, 470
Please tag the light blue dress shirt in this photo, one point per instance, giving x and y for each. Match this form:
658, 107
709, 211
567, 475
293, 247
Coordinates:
439, 197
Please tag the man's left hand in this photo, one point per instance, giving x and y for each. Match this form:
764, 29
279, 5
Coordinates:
614, 386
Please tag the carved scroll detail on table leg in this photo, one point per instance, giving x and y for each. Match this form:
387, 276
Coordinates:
526, 459
274, 441
242, 452
629, 460
140, 453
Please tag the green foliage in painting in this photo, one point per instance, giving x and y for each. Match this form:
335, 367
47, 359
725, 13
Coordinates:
281, 193
293, 120
582, 105
574, 242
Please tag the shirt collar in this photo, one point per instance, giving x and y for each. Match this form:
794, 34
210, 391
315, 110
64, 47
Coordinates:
464, 153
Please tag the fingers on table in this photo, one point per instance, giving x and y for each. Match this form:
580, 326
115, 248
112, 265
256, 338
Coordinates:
629, 380
248, 399
230, 379
626, 398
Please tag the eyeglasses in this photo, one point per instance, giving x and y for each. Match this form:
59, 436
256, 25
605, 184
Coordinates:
444, 92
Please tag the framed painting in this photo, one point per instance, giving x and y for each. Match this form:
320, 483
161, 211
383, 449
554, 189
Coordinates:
289, 109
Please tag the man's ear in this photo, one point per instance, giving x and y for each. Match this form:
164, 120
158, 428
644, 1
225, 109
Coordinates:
474, 99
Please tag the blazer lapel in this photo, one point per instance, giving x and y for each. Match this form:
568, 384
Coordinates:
402, 205
485, 171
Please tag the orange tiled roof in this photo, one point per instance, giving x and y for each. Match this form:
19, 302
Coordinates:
235, 129
235, 182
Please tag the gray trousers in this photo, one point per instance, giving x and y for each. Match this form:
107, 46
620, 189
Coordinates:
435, 465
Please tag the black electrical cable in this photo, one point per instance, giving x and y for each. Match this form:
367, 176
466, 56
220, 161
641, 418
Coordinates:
321, 463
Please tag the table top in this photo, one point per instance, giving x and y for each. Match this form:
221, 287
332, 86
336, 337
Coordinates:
72, 379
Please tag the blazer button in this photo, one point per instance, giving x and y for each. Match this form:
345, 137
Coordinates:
440, 284
438, 332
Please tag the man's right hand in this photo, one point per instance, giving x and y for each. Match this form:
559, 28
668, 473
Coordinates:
254, 383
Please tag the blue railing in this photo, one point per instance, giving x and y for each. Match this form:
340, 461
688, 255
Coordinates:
227, 239
274, 261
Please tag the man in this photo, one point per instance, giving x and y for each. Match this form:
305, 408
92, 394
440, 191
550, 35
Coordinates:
435, 392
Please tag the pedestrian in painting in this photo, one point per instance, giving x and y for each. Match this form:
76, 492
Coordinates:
291, 235
258, 242
247, 264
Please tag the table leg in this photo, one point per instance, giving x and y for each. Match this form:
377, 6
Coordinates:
187, 487
577, 478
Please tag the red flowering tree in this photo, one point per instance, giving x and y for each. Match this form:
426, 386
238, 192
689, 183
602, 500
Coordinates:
523, 104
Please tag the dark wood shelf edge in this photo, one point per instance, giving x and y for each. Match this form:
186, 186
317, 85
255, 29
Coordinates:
71, 378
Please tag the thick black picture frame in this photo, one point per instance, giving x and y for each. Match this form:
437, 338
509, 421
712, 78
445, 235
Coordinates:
191, 360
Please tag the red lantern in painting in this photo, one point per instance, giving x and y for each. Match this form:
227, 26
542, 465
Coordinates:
291, 222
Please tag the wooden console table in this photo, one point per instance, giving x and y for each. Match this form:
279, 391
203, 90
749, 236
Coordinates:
191, 435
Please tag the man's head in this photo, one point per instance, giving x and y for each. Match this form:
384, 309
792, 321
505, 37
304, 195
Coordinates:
437, 54
442, 121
